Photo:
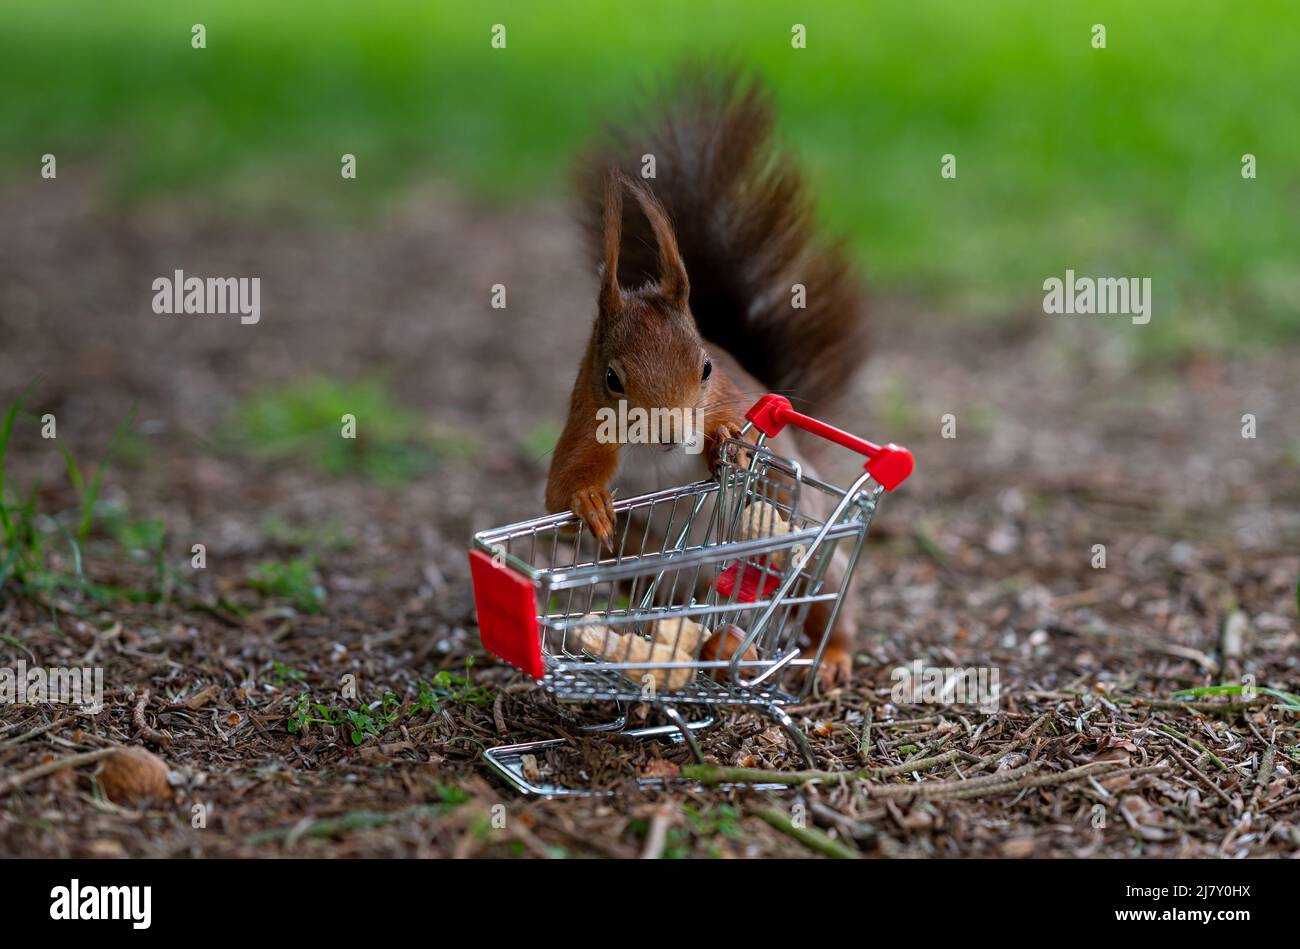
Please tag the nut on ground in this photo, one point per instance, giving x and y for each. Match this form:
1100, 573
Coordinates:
132, 775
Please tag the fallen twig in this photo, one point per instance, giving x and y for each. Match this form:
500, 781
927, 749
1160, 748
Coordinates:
712, 775
982, 787
1262, 776
916, 764
940, 788
1201, 776
1029, 732
810, 837
657, 836
1187, 739
1208, 708
329, 826
201, 698
40, 771
14, 742
1281, 802
148, 733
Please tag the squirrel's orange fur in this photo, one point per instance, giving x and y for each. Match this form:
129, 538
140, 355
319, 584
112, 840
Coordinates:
694, 309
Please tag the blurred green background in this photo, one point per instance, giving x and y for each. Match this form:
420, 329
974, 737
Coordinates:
1124, 161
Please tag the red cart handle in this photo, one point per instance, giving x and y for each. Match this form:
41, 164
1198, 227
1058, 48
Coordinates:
888, 464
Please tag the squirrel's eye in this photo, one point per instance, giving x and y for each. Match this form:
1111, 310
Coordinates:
613, 381
708, 369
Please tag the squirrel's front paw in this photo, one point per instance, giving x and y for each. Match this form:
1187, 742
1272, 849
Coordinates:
836, 666
596, 508
717, 439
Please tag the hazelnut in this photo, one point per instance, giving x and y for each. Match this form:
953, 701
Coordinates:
129, 775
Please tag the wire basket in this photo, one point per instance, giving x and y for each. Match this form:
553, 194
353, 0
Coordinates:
716, 593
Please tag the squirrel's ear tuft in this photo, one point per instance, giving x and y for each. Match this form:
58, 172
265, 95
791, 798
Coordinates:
673, 283
610, 300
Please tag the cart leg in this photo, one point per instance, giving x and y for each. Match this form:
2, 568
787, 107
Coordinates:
684, 727
793, 730
655, 731
617, 725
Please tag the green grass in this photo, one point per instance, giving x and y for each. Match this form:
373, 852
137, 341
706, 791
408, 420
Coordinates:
293, 580
13, 521
324, 537
703, 825
305, 420
539, 441
1123, 161
282, 675
716, 819
368, 721
448, 687
42, 552
449, 797
88, 491
372, 719
1288, 701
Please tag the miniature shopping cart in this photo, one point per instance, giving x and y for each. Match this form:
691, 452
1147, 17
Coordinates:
714, 594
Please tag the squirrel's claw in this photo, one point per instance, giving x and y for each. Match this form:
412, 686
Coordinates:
596, 508
717, 438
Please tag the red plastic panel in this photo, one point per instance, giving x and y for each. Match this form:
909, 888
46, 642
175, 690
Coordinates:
507, 614
750, 574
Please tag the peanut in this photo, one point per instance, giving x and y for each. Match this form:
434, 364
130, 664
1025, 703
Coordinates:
760, 520
603, 642
682, 632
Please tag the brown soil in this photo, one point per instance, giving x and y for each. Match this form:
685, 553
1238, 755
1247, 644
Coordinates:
984, 558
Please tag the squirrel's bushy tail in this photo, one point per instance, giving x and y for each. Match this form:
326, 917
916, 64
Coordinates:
744, 224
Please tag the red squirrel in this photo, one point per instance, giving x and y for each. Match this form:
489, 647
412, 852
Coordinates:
695, 308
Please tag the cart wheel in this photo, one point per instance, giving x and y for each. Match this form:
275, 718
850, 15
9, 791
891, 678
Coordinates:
795, 732
676, 718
